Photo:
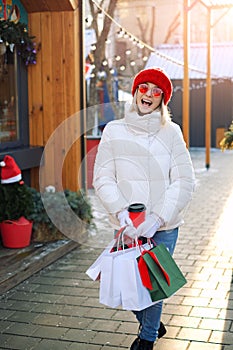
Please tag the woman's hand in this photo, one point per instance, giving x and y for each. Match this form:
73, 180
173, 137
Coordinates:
149, 227
124, 219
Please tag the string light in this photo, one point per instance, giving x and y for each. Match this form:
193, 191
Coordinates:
93, 47
201, 85
122, 32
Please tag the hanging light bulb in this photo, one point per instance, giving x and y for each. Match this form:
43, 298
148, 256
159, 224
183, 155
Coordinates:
120, 33
132, 63
117, 58
140, 45
93, 47
128, 52
144, 58
122, 67
105, 62
107, 41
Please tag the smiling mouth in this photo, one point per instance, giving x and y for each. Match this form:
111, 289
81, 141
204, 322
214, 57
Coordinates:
146, 102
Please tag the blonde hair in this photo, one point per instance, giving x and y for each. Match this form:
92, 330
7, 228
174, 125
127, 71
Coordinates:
165, 114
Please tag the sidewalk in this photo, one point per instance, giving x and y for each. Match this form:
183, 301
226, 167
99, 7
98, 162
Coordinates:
57, 308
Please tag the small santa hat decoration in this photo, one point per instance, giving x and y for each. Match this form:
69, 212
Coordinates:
10, 171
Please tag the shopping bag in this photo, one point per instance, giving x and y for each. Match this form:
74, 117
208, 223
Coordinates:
120, 282
109, 292
116, 244
94, 270
134, 295
160, 273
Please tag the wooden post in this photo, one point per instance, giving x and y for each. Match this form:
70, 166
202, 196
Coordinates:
185, 118
208, 92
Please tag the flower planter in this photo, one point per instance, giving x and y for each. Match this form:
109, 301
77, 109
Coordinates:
16, 234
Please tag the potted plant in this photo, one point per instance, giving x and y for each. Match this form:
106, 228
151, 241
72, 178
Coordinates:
15, 206
52, 215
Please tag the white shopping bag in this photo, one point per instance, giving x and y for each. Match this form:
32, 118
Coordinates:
110, 292
134, 296
120, 282
94, 270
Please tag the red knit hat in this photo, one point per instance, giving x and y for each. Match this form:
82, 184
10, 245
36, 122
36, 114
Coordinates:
10, 171
156, 76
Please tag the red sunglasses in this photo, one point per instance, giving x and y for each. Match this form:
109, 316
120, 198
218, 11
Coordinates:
155, 91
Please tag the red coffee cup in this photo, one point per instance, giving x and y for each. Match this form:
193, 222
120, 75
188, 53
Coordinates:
137, 213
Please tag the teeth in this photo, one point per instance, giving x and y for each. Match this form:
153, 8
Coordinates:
146, 102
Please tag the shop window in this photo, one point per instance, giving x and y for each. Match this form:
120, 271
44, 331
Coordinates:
13, 100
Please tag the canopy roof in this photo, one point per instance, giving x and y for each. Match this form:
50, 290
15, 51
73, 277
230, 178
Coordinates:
171, 58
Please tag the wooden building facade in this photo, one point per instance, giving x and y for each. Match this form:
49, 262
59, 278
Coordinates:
54, 95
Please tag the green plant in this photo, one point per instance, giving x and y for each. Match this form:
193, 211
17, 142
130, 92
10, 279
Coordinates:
43, 226
16, 34
227, 141
15, 201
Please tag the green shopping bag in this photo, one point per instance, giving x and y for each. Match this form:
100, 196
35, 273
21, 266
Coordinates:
160, 273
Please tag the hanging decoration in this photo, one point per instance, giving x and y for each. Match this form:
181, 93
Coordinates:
15, 35
124, 33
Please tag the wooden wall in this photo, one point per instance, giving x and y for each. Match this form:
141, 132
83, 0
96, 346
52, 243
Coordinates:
54, 85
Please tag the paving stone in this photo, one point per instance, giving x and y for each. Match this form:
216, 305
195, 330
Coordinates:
185, 321
79, 335
112, 339
52, 345
174, 344
221, 325
222, 337
21, 342
82, 346
204, 346
194, 334
50, 332
206, 312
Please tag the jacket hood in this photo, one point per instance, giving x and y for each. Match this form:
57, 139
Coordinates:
146, 124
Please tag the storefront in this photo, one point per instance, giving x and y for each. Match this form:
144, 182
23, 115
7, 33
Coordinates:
14, 129
36, 98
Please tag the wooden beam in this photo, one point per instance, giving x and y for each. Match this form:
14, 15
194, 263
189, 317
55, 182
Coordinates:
208, 92
185, 116
49, 5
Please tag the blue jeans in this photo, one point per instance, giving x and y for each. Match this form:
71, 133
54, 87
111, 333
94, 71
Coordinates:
149, 318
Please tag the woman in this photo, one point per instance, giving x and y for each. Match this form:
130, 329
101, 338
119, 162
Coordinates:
142, 158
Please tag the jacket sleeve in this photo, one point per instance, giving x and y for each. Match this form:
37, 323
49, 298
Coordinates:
104, 178
181, 185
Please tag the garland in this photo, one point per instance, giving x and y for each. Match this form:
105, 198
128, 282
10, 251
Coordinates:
16, 35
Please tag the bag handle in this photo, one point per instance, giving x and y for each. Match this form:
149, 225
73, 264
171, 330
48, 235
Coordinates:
144, 272
119, 241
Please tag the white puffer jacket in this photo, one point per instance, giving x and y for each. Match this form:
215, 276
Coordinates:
139, 160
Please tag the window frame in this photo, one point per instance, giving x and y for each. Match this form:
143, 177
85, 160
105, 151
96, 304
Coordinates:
21, 76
